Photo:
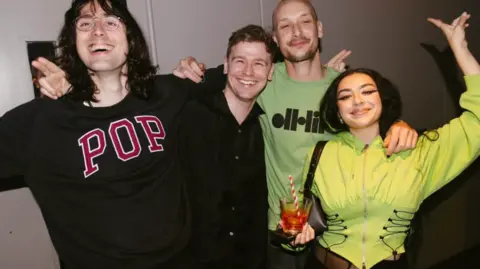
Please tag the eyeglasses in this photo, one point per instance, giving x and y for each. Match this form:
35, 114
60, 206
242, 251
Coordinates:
87, 22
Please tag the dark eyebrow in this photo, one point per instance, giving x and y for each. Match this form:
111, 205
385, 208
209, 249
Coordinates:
91, 14
344, 90
366, 84
261, 60
361, 87
237, 57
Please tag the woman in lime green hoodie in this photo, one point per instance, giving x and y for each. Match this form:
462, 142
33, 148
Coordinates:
370, 199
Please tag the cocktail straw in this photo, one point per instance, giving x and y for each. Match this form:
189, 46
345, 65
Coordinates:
294, 194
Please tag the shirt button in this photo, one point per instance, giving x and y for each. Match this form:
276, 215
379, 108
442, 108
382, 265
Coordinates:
233, 208
236, 157
239, 130
231, 233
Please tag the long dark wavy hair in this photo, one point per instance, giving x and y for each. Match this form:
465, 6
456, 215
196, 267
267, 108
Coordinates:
389, 94
140, 69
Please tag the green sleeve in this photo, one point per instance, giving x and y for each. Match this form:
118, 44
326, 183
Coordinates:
455, 145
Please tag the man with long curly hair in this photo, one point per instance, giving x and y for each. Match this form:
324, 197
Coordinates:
102, 161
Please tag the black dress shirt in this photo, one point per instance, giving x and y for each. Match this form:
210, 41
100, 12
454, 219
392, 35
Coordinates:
226, 184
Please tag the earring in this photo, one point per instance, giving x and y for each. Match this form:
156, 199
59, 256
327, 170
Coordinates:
340, 119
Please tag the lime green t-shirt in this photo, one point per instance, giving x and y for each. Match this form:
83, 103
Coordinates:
291, 126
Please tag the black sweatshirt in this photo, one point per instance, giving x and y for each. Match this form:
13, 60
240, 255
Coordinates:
107, 180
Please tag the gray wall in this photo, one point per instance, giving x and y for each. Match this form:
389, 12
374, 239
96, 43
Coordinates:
384, 35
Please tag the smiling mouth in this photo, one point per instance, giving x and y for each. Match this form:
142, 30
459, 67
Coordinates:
247, 83
360, 112
96, 48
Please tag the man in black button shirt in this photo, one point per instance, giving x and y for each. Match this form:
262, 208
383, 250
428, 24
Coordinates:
222, 146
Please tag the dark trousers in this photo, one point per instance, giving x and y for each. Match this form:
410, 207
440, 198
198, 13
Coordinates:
313, 263
466, 259
182, 260
231, 264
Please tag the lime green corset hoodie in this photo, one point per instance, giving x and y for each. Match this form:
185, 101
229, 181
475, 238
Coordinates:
370, 199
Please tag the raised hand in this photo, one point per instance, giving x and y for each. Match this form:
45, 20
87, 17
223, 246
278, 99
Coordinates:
53, 83
190, 68
338, 61
454, 32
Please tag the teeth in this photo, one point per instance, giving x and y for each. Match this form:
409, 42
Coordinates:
247, 82
94, 48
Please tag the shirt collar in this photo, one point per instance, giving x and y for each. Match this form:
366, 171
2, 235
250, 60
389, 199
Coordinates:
219, 104
349, 139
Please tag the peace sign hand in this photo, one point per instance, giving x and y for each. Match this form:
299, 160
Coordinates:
455, 32
338, 61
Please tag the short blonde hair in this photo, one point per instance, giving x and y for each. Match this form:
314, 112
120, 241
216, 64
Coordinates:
282, 2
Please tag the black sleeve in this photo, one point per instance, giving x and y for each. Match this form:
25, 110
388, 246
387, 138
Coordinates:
182, 123
15, 129
12, 183
214, 80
